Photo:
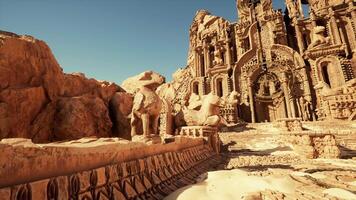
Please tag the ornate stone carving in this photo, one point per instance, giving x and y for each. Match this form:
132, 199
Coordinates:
146, 106
317, 37
204, 111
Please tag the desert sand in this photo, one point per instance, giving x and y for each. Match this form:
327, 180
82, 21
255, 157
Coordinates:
258, 165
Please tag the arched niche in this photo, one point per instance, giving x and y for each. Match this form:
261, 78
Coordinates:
195, 87
330, 71
219, 85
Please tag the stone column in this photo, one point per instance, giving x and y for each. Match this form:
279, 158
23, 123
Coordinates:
252, 106
334, 27
352, 11
228, 54
292, 106
205, 54
199, 54
286, 94
196, 62
299, 35
305, 82
208, 64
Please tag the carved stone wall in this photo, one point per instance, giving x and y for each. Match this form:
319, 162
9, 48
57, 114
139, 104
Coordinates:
146, 176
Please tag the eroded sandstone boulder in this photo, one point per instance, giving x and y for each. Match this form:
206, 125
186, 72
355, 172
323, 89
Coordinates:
133, 84
77, 84
83, 116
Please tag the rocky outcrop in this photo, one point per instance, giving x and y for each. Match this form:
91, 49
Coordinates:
20, 106
77, 84
40, 102
133, 84
82, 116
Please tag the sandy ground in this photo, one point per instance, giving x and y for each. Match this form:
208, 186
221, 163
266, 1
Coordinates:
239, 184
262, 167
233, 184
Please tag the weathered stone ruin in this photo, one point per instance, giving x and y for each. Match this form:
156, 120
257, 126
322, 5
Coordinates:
281, 66
273, 93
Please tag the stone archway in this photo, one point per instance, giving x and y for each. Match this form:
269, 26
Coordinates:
288, 67
269, 101
330, 71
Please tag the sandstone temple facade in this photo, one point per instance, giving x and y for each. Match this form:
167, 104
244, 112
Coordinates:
297, 63
66, 136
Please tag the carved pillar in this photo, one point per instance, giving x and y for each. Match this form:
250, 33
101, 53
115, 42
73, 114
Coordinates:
199, 61
252, 106
305, 83
334, 27
299, 36
228, 54
292, 106
286, 94
196, 62
205, 54
208, 64
352, 11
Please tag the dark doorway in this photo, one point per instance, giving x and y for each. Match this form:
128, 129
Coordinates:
326, 74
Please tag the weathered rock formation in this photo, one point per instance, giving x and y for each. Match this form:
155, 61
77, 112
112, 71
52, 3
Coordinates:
40, 102
133, 84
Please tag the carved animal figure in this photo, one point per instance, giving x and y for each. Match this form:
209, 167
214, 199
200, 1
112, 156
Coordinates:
146, 106
207, 115
318, 37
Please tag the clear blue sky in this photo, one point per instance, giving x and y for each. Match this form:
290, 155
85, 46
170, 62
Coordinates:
112, 39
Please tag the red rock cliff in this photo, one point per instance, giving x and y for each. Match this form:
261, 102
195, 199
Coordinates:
40, 102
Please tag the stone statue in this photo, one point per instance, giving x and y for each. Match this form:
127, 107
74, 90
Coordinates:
146, 106
208, 114
318, 37
233, 98
217, 56
305, 108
